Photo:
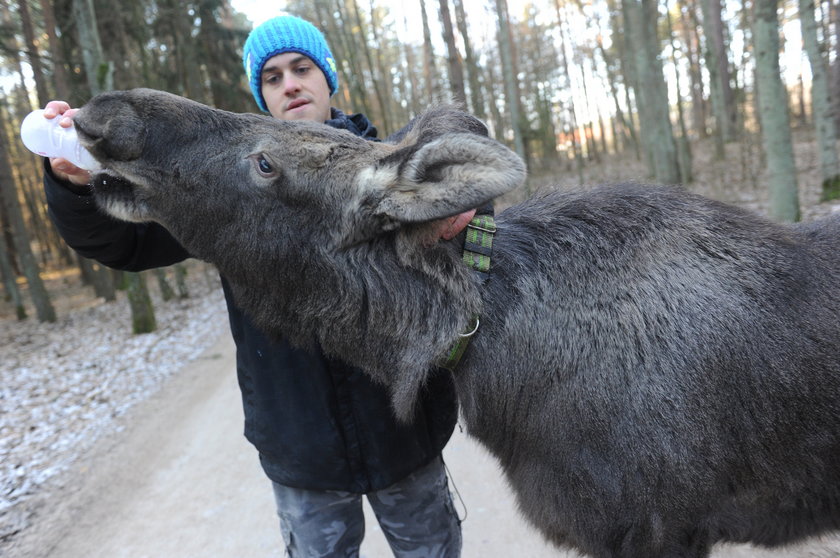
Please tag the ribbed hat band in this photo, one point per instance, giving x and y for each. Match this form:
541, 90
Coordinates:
286, 34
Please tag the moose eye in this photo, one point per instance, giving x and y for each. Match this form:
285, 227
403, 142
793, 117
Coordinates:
264, 166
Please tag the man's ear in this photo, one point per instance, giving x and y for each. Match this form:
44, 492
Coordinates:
443, 177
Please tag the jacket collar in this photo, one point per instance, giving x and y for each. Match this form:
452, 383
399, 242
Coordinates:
357, 124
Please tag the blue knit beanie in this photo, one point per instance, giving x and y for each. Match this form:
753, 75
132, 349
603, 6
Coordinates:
286, 34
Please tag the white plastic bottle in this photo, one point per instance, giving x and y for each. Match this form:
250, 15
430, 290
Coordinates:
43, 136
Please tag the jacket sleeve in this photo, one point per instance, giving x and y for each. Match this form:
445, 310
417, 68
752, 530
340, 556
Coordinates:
96, 235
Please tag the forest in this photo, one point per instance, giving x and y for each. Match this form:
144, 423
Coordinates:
570, 85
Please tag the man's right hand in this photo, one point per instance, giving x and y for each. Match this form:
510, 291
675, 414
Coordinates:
61, 167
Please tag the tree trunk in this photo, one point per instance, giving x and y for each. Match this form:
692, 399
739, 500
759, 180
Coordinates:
509, 77
345, 52
541, 88
624, 134
218, 38
415, 95
473, 72
103, 283
456, 70
683, 146
181, 280
492, 94
166, 291
8, 192
695, 74
11, 49
98, 70
381, 69
178, 26
774, 114
99, 277
577, 154
33, 53
835, 74
429, 69
641, 17
591, 147
10, 281
718, 67
376, 83
142, 311
821, 104
62, 84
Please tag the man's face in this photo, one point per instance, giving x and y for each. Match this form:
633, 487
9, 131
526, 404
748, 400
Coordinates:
294, 88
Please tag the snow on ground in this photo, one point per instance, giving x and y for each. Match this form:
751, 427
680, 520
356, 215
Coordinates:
62, 385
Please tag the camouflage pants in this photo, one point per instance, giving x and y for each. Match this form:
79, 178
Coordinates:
416, 514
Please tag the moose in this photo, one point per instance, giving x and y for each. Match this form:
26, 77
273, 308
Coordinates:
655, 371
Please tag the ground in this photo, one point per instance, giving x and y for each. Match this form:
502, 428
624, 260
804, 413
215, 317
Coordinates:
178, 480
66, 384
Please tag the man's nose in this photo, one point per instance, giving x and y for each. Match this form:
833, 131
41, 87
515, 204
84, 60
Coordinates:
291, 85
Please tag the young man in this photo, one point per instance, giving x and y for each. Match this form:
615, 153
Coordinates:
324, 431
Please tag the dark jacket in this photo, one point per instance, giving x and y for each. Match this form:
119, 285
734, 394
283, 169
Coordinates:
317, 423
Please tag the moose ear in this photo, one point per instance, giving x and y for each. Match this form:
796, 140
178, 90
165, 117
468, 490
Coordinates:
443, 177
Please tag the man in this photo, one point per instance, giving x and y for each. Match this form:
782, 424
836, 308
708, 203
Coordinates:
324, 431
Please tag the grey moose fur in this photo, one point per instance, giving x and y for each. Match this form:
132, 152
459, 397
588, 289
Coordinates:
655, 371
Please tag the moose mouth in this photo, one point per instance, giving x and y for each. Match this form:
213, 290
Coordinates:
86, 137
111, 130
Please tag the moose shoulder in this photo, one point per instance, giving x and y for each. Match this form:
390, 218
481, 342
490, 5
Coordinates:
655, 371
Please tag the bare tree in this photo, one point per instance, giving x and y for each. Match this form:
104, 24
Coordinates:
60, 80
717, 63
429, 69
509, 76
33, 53
821, 104
691, 40
456, 69
473, 71
640, 23
683, 146
100, 78
98, 70
577, 155
8, 192
142, 312
774, 114
7, 273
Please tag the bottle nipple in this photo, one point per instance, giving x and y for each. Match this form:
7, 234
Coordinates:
44, 137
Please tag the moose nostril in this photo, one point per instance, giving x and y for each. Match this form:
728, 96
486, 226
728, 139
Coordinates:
111, 128
114, 140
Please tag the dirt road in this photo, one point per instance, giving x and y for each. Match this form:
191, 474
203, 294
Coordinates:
181, 482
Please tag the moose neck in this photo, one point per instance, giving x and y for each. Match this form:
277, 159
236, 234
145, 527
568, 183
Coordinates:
385, 306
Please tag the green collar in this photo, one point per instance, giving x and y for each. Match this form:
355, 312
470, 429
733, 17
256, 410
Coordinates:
478, 247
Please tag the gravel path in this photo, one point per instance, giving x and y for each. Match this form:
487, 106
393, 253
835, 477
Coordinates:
64, 385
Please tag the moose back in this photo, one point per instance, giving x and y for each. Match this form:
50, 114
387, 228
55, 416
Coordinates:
655, 371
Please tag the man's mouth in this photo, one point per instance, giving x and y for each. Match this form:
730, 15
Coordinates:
296, 103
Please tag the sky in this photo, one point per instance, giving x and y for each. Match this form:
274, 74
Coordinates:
257, 10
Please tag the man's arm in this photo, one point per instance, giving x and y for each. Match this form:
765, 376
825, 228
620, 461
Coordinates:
93, 234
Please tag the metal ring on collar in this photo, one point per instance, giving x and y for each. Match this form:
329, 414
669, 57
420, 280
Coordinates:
470, 334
